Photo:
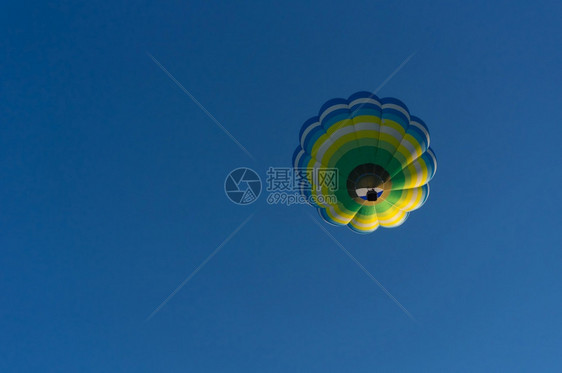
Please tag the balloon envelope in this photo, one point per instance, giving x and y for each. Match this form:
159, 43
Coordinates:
366, 161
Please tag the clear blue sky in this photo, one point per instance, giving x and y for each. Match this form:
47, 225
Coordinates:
111, 188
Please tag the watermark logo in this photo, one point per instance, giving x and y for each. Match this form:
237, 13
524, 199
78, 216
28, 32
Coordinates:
284, 185
242, 186
286, 179
288, 199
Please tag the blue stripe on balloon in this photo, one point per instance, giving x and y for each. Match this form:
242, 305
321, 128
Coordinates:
307, 124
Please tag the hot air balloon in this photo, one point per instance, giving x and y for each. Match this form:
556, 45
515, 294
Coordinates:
382, 157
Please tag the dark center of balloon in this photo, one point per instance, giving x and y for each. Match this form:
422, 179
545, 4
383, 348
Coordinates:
366, 182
